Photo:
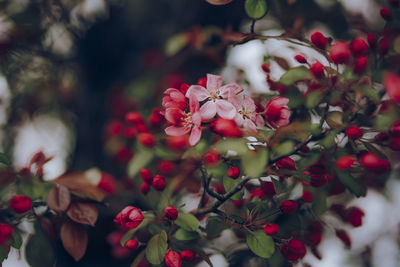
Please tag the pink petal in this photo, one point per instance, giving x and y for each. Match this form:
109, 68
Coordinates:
239, 120
231, 87
232, 98
193, 104
195, 136
225, 109
278, 102
173, 115
177, 131
249, 126
208, 110
248, 103
214, 82
196, 118
200, 92
259, 121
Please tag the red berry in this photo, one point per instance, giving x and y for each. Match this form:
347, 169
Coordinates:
354, 216
317, 69
360, 64
371, 40
166, 166
300, 58
359, 47
345, 162
319, 40
266, 67
386, 14
187, 255
354, 132
107, 183
344, 237
159, 183
172, 259
146, 175
146, 139
383, 46
219, 188
268, 189
211, 158
289, 206
233, 172
171, 213
395, 143
130, 132
271, 229
307, 196
145, 188
133, 117
6, 232
130, 217
202, 82
132, 244
20, 204
286, 163
340, 53
293, 250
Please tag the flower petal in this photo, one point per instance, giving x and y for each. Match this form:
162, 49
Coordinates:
193, 104
231, 87
214, 82
200, 92
249, 126
177, 131
173, 115
225, 109
259, 121
195, 136
208, 110
248, 103
196, 118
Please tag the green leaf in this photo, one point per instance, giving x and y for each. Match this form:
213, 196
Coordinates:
298, 174
354, 185
261, 244
335, 119
369, 92
139, 161
138, 259
39, 251
156, 248
215, 226
3, 254
254, 162
319, 204
5, 159
313, 99
283, 149
187, 221
384, 121
256, 9
230, 183
184, 235
371, 148
294, 75
16, 240
237, 145
329, 140
175, 44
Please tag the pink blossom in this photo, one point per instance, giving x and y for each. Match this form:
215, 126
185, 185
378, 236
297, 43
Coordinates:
174, 99
182, 122
275, 112
247, 116
216, 96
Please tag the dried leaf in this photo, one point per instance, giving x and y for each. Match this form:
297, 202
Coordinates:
74, 239
282, 62
85, 213
59, 198
77, 182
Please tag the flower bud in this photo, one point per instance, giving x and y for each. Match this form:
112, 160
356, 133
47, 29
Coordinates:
289, 206
187, 255
271, 229
20, 204
171, 213
319, 40
233, 172
133, 117
145, 188
147, 140
300, 58
130, 217
317, 69
293, 250
172, 259
340, 53
354, 132
159, 183
132, 244
146, 175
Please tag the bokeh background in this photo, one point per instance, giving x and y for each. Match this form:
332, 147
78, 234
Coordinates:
70, 70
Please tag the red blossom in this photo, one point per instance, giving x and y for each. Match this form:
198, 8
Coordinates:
271, 229
173, 259
130, 217
20, 204
340, 53
171, 213
319, 40
276, 113
293, 250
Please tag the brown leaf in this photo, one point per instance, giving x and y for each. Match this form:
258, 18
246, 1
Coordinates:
282, 62
85, 213
74, 239
6, 177
77, 182
59, 198
218, 2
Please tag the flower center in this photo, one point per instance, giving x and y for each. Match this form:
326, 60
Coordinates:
187, 119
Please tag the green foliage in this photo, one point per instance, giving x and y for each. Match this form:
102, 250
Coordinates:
187, 222
16, 240
282, 149
5, 159
260, 244
215, 226
39, 252
294, 75
156, 248
354, 185
228, 144
254, 163
229, 184
139, 161
256, 9
184, 235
